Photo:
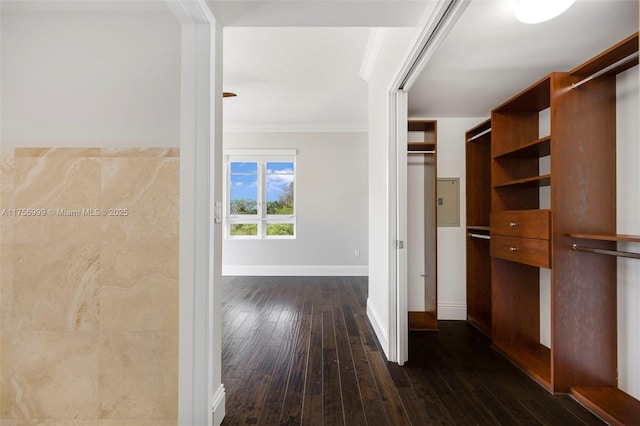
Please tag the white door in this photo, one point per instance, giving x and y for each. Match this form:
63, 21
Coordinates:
401, 311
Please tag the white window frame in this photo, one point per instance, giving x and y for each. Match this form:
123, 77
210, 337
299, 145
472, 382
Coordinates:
261, 219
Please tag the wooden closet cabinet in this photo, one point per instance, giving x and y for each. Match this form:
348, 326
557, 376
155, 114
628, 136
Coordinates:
478, 191
553, 184
521, 232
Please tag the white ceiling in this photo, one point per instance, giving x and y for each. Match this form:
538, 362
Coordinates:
295, 64
294, 78
289, 77
489, 56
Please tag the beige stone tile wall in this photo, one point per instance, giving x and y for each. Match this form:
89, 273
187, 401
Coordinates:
89, 287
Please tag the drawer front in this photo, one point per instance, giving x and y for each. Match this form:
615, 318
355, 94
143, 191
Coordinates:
521, 223
529, 251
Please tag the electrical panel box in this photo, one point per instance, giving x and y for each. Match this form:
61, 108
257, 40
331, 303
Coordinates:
448, 202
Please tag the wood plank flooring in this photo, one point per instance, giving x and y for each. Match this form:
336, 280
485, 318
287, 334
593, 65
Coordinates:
300, 351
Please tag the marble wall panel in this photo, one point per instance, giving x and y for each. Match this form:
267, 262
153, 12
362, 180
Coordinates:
6, 288
60, 188
50, 422
139, 287
148, 188
133, 366
89, 321
50, 375
136, 422
55, 286
6, 241
6, 199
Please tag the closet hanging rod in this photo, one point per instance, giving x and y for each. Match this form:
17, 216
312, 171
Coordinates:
597, 74
479, 135
480, 236
607, 252
420, 152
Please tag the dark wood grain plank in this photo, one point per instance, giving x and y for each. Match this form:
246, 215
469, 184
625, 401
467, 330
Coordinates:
351, 399
319, 363
255, 389
292, 405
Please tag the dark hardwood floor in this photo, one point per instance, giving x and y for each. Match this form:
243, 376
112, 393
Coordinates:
299, 350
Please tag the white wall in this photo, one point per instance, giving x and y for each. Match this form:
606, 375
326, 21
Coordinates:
108, 79
395, 45
544, 199
77, 79
416, 227
628, 222
332, 208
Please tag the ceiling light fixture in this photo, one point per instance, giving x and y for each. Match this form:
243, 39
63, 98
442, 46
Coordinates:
536, 11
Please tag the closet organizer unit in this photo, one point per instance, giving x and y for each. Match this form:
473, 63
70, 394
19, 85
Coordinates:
524, 237
478, 172
422, 140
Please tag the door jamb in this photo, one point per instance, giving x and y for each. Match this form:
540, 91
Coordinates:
199, 339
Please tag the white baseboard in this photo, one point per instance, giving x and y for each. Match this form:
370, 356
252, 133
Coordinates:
296, 270
217, 406
452, 311
378, 328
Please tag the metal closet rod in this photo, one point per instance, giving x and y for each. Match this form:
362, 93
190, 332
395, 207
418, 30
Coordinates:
480, 236
607, 252
420, 152
621, 62
479, 135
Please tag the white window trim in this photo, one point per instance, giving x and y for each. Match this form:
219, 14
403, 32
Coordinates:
262, 219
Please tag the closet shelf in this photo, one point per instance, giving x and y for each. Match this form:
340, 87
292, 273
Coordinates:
610, 56
608, 237
544, 180
533, 358
481, 130
611, 404
534, 98
478, 228
420, 146
537, 148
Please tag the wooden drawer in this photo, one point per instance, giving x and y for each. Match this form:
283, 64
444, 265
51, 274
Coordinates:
530, 251
521, 223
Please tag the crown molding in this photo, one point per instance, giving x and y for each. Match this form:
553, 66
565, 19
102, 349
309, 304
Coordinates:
371, 52
296, 128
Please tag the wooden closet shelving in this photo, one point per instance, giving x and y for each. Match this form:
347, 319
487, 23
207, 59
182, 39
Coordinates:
422, 141
478, 192
605, 399
428, 130
537, 148
518, 247
608, 237
580, 186
610, 403
478, 228
544, 180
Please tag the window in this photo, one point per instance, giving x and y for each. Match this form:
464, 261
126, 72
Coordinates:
260, 194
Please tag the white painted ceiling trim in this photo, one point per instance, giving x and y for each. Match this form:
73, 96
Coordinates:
318, 13
371, 52
296, 128
190, 12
